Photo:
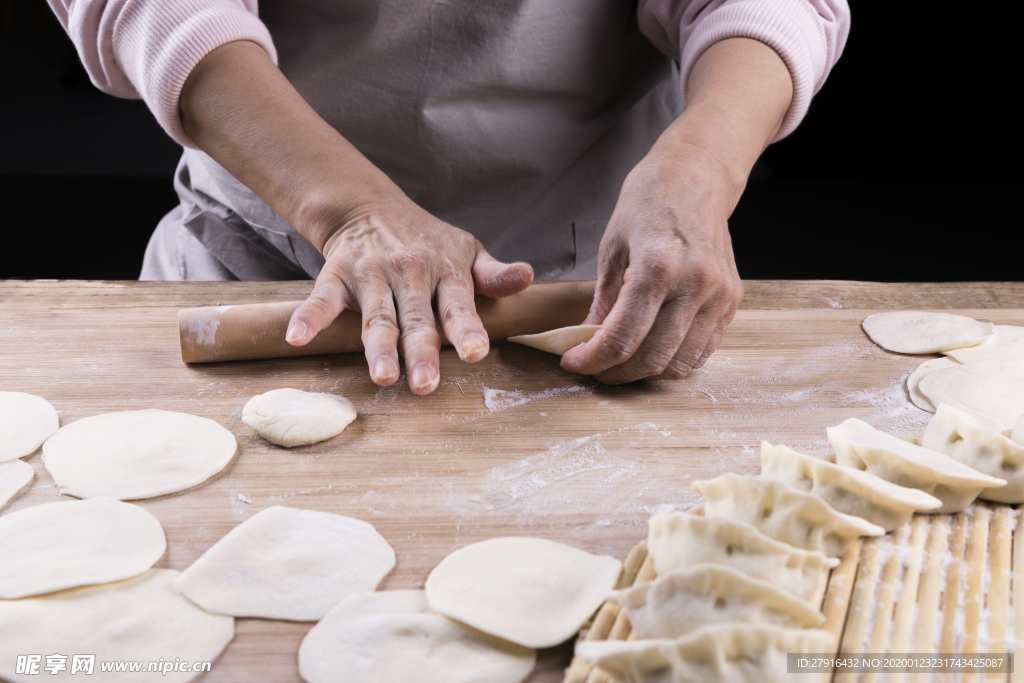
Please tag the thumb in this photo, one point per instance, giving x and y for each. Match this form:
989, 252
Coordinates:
495, 279
325, 303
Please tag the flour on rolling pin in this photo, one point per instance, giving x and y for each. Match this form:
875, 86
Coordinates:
205, 331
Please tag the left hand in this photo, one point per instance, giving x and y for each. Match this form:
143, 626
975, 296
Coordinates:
667, 281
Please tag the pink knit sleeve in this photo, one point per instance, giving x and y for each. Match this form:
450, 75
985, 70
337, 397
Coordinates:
147, 48
809, 35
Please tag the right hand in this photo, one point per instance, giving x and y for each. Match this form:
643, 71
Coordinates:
391, 260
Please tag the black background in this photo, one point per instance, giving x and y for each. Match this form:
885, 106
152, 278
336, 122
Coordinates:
906, 168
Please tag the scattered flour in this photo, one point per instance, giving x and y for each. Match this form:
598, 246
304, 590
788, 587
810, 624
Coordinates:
500, 399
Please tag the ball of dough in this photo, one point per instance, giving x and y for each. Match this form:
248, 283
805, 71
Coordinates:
26, 421
529, 591
393, 636
137, 454
289, 417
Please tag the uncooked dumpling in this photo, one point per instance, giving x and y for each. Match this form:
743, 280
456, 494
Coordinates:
62, 545
284, 563
141, 619
558, 341
393, 637
26, 421
289, 417
966, 440
530, 591
14, 476
914, 381
674, 605
923, 332
678, 541
846, 489
722, 653
861, 446
992, 391
136, 454
787, 515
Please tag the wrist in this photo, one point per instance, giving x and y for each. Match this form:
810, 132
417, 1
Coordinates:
692, 163
324, 212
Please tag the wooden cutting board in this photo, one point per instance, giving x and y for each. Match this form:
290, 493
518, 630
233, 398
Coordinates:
509, 446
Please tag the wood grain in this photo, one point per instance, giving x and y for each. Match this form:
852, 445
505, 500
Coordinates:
557, 456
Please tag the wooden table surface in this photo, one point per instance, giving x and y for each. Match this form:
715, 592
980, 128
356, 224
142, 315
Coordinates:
549, 454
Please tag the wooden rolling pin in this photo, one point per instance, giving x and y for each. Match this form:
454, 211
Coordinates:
246, 332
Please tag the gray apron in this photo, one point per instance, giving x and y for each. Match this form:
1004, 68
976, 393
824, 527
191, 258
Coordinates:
514, 120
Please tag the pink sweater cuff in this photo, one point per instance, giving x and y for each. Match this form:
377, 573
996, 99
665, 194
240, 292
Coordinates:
157, 44
791, 27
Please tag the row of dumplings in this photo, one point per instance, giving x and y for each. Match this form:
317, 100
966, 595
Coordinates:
732, 592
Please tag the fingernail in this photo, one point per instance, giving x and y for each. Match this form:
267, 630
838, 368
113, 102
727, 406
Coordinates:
423, 376
385, 369
473, 347
296, 332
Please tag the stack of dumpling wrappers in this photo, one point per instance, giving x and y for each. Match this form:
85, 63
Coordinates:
731, 595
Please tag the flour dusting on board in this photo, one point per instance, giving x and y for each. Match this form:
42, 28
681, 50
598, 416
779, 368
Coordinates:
500, 399
564, 479
896, 414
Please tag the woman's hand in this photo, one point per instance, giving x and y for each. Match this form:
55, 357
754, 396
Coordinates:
385, 256
667, 281
390, 262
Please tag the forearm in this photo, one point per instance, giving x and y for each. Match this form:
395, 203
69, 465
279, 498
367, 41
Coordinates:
241, 110
737, 97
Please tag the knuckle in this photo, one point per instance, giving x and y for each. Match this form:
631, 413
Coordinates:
706, 275
416, 322
617, 347
379, 321
677, 368
451, 311
660, 266
653, 363
411, 263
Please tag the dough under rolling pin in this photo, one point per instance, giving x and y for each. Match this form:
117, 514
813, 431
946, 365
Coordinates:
252, 331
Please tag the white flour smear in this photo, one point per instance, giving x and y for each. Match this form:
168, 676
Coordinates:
571, 477
896, 414
500, 399
826, 378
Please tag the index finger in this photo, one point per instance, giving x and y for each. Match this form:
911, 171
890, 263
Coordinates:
624, 328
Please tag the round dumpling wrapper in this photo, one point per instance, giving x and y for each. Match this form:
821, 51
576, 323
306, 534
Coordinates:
63, 545
137, 454
394, 636
530, 591
925, 332
26, 421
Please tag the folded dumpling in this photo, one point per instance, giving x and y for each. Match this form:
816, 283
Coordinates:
848, 490
961, 437
785, 514
861, 446
678, 541
674, 605
722, 653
